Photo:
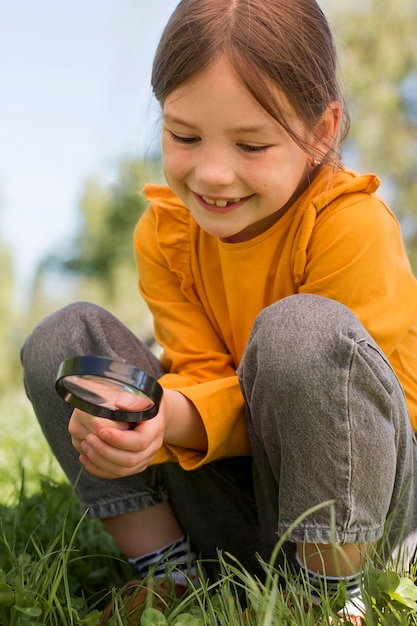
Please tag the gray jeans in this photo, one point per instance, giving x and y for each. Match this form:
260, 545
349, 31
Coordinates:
326, 418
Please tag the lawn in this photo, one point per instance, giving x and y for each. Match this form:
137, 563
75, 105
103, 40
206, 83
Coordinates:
58, 569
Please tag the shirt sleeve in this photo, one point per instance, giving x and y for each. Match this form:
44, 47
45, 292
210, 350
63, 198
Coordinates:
196, 360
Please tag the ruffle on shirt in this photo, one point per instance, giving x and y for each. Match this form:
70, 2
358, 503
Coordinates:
344, 182
174, 232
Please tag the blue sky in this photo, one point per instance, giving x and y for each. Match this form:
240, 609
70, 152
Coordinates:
74, 99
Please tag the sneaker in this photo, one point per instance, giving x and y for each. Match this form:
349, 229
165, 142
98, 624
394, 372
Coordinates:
136, 596
352, 617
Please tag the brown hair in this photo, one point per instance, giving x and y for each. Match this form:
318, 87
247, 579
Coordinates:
270, 43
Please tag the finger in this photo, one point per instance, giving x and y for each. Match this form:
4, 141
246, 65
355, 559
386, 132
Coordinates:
95, 470
111, 473
91, 423
82, 423
130, 402
118, 465
78, 434
115, 459
144, 435
107, 456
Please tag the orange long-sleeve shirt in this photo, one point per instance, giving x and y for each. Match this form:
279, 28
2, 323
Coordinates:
338, 240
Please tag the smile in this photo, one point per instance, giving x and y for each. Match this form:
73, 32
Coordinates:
220, 203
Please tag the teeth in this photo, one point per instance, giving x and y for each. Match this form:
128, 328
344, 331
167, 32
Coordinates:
220, 203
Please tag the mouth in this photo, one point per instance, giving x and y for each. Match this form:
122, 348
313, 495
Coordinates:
220, 202
212, 203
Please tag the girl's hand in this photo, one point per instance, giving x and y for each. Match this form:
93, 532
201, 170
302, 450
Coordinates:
109, 449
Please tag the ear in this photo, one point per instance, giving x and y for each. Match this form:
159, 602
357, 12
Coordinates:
327, 129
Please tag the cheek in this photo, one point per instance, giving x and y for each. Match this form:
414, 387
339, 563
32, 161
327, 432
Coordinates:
254, 174
175, 165
260, 176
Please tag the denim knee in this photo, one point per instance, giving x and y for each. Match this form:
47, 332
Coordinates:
323, 405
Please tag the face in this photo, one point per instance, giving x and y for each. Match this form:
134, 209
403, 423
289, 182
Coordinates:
231, 163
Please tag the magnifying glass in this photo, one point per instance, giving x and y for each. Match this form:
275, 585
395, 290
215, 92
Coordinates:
107, 388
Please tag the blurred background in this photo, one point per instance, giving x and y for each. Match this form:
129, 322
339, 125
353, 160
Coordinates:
79, 137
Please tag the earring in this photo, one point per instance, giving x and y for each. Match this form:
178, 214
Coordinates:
315, 161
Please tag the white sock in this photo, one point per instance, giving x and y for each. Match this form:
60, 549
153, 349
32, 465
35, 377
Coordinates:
354, 605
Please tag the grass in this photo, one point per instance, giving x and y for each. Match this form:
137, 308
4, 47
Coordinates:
58, 569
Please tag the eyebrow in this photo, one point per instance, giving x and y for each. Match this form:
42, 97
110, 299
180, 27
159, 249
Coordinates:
238, 129
176, 120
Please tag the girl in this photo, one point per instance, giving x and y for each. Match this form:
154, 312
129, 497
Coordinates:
287, 313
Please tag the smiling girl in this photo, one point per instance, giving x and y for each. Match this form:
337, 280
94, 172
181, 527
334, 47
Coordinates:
286, 310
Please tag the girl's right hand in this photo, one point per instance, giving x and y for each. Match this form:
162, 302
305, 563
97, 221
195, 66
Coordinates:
110, 449
82, 424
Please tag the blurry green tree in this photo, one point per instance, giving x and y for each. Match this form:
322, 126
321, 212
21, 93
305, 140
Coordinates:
378, 53
100, 263
109, 216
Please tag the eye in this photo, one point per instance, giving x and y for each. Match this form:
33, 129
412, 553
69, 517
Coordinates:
183, 140
251, 149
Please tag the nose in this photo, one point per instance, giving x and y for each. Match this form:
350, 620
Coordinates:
214, 167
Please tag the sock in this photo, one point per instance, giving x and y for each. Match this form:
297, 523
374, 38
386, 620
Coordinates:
174, 560
353, 606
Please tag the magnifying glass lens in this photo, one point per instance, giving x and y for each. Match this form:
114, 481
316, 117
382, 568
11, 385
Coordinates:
108, 388
108, 393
